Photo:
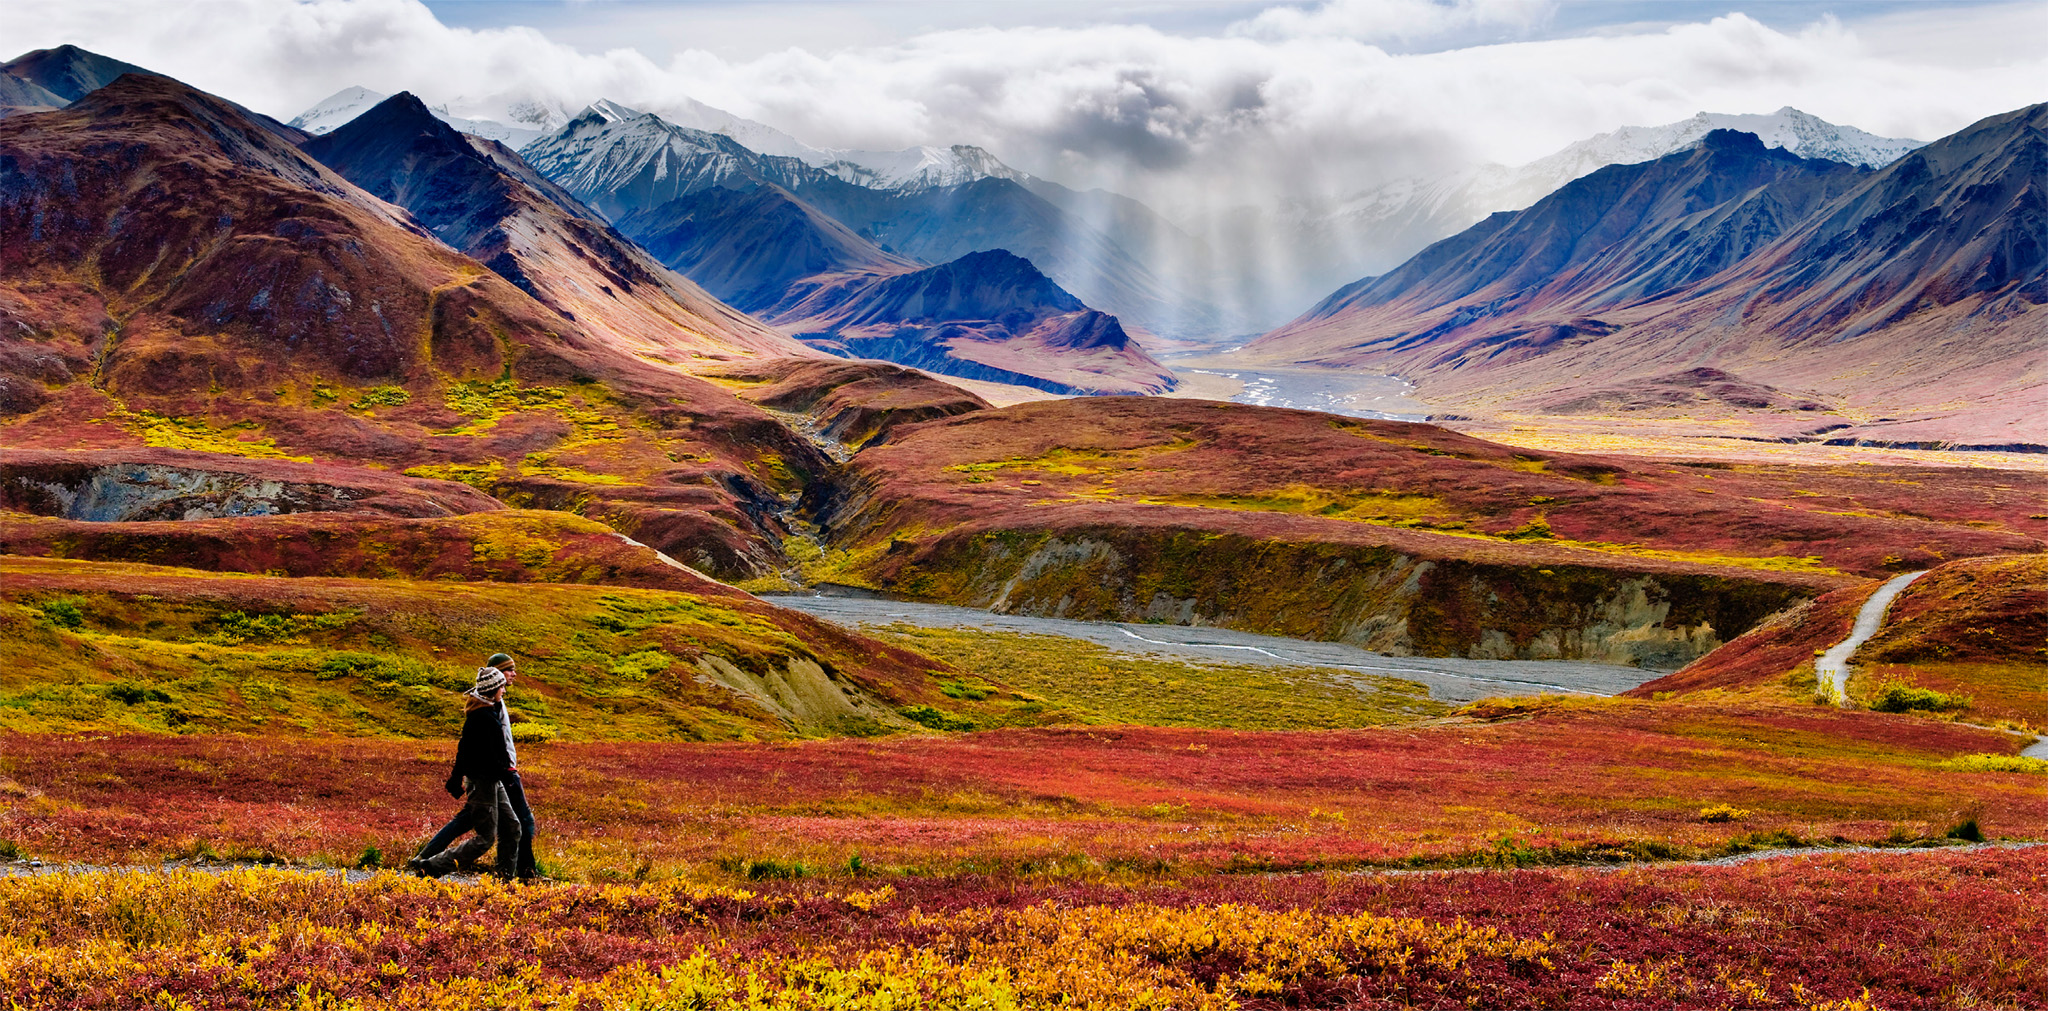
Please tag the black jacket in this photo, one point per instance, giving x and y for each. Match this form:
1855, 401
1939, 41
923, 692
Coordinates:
480, 755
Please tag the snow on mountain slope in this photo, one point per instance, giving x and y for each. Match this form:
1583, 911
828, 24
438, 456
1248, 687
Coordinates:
919, 168
757, 137
620, 160
908, 170
338, 109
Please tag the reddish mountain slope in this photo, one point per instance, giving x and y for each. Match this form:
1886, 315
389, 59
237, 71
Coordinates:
173, 274
1914, 291
854, 404
478, 197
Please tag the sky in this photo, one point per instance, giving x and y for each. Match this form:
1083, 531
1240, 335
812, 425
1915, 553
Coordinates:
1189, 106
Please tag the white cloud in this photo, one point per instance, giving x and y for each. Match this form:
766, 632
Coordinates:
1394, 20
1296, 99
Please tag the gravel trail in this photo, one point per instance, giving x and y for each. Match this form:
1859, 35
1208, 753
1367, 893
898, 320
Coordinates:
1832, 669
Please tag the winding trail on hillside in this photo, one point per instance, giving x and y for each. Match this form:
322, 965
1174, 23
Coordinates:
1832, 669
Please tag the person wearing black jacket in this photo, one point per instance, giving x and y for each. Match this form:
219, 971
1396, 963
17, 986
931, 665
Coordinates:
488, 760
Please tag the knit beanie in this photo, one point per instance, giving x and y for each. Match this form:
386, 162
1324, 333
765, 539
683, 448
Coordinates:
488, 680
497, 660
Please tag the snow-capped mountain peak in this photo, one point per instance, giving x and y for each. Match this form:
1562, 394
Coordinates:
340, 108
336, 110
610, 111
1803, 134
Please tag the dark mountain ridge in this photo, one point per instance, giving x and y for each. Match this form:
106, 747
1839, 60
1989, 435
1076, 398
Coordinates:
796, 245
68, 72
1621, 234
987, 315
749, 247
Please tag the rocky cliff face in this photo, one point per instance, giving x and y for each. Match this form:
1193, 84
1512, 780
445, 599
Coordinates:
106, 487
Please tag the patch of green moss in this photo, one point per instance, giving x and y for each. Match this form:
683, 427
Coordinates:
381, 396
196, 434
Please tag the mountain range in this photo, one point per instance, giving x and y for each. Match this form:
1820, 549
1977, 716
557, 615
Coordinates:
989, 315
1327, 243
1730, 270
206, 314
624, 162
1911, 294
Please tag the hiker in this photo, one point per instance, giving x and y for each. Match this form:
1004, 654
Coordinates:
515, 791
488, 762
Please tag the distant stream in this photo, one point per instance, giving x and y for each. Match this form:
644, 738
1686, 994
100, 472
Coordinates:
1449, 679
1356, 395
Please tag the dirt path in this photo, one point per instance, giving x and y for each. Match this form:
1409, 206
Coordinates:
24, 868
1832, 669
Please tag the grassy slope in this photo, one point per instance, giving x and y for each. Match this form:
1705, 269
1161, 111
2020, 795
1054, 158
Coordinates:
1405, 538
1040, 461
1080, 682
1976, 628
115, 646
214, 290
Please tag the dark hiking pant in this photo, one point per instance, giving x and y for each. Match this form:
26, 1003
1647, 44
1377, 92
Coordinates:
487, 815
516, 791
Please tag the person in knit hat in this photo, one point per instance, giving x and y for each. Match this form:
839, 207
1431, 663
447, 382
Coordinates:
487, 761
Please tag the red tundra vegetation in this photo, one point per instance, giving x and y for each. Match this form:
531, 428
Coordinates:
1535, 781
1301, 475
1834, 932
